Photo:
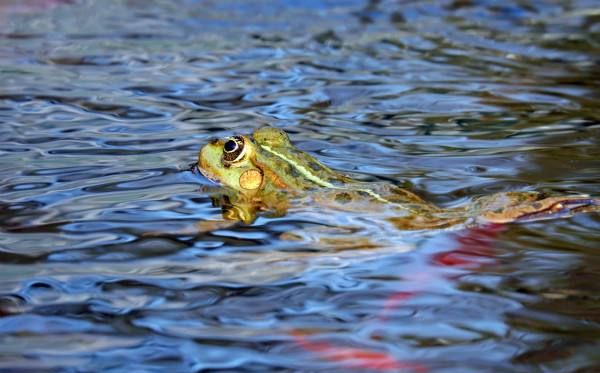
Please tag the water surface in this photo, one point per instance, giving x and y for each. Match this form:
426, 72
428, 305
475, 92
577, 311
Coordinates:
104, 105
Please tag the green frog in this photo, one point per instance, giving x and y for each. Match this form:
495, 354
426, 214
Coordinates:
265, 173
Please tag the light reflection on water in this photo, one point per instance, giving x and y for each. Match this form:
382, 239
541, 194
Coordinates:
104, 105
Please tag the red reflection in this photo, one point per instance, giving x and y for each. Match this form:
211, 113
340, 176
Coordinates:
356, 358
474, 250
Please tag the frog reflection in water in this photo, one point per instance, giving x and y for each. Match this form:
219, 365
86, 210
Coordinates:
266, 173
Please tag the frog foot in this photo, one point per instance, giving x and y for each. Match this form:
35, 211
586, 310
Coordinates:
548, 208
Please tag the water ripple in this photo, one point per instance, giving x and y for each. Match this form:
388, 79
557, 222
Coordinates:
114, 257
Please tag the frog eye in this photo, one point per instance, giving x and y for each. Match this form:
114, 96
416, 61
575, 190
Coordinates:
230, 146
233, 150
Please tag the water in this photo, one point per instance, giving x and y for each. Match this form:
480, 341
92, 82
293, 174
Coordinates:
104, 105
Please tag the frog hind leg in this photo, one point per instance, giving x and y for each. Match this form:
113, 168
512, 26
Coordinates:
562, 207
529, 206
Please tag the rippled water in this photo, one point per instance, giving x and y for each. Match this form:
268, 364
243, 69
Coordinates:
104, 105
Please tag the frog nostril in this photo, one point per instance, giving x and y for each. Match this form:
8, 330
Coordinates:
213, 140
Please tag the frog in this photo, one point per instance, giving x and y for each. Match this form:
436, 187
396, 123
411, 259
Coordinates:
265, 174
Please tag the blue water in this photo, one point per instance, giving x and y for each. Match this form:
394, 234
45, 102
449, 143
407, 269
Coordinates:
110, 257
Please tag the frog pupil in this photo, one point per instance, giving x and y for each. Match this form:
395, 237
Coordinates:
230, 146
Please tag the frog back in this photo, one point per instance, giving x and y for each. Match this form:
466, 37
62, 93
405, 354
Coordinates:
294, 167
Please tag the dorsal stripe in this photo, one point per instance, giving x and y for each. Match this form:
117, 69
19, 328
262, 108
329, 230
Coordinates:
324, 183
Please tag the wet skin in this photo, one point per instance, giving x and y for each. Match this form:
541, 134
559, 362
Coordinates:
266, 173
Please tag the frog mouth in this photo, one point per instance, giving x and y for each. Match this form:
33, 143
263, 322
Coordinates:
208, 175
195, 169
203, 166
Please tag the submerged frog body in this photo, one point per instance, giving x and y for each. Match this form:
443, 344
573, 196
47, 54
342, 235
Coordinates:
266, 173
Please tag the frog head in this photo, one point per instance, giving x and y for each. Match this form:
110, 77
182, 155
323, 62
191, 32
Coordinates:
230, 162
265, 162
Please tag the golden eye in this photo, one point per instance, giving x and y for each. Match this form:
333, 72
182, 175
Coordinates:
233, 150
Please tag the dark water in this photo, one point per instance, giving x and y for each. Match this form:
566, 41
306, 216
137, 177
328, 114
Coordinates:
104, 104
